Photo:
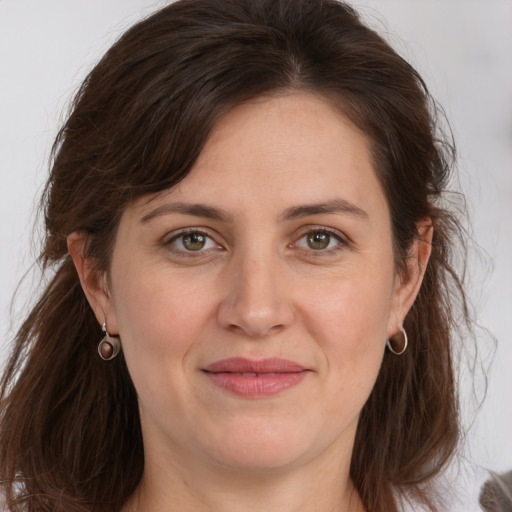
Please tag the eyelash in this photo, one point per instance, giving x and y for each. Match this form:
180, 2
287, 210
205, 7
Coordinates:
342, 242
170, 242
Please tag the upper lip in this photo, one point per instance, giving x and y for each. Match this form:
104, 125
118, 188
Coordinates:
244, 365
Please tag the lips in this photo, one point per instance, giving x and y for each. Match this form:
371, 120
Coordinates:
255, 378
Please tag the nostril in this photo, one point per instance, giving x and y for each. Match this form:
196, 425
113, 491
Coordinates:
255, 322
253, 329
256, 301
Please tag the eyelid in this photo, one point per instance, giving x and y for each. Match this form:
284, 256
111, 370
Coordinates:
344, 240
175, 233
171, 236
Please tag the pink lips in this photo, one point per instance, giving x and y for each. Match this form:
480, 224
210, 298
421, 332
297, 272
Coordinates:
251, 378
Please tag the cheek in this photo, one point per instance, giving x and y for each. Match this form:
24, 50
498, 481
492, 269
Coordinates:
159, 320
349, 322
160, 323
354, 310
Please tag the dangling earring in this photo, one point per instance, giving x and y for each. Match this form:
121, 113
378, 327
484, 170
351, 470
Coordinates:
404, 348
109, 346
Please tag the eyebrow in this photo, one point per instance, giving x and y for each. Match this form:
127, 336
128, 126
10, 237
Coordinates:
333, 206
295, 212
195, 209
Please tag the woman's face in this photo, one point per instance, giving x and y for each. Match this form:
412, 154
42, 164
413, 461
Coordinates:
254, 299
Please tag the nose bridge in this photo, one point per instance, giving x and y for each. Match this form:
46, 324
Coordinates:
256, 299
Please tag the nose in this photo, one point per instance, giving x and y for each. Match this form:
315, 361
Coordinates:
256, 302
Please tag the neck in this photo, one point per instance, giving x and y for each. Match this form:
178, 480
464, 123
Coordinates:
170, 487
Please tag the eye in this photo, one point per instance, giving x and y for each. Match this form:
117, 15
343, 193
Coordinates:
319, 240
192, 241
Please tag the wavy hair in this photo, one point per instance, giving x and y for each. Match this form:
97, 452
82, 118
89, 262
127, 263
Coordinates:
70, 435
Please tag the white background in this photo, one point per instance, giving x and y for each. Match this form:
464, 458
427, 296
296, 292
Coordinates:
463, 48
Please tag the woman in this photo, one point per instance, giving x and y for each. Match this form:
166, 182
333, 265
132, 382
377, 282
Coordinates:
244, 222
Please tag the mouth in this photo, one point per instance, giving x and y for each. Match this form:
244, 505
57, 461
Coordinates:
255, 378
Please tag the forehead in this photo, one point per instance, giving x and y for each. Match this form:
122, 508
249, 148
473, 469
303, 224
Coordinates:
306, 124
285, 150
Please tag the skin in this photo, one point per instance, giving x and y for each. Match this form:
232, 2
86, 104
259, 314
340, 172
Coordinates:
257, 288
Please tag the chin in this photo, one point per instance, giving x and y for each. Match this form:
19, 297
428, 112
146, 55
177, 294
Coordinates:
264, 445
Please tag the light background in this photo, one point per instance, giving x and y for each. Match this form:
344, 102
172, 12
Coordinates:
463, 48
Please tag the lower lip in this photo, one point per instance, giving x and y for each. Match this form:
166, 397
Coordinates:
261, 385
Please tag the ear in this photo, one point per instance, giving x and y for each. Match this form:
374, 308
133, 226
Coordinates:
94, 282
408, 283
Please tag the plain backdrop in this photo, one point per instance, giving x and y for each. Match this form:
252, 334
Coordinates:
463, 48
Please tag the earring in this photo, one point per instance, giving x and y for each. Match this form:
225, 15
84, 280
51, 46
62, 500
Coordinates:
109, 346
404, 348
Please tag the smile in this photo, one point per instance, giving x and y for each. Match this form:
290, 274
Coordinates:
253, 379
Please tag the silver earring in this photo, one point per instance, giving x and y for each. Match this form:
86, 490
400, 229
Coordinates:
404, 348
109, 346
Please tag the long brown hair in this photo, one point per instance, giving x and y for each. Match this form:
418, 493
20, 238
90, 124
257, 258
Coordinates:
70, 437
